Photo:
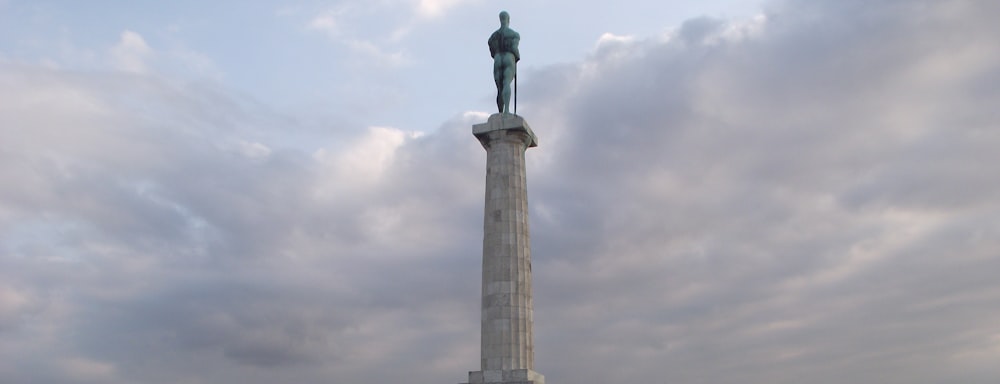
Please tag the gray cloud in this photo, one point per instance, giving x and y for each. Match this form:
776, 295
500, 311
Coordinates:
806, 197
774, 206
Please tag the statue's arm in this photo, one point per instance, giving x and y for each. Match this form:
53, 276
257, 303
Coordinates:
493, 44
514, 46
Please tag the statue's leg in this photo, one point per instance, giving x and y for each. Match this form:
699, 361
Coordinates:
498, 79
508, 77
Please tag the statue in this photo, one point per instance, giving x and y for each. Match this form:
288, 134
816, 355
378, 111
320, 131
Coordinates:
503, 48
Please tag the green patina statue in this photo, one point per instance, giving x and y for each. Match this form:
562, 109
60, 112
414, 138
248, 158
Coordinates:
503, 48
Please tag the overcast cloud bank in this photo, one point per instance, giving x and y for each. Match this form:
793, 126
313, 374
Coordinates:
805, 196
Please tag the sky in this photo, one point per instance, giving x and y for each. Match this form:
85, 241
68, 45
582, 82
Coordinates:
773, 191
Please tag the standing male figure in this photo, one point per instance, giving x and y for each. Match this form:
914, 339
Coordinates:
503, 48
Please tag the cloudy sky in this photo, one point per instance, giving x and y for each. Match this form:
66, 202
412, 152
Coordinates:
726, 191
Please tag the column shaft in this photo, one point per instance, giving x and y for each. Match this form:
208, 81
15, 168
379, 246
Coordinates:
507, 338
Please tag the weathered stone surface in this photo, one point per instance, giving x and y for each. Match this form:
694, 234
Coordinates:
514, 376
507, 343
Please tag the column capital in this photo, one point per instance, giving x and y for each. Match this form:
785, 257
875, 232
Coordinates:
504, 122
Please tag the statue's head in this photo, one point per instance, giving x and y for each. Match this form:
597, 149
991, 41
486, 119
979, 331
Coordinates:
504, 18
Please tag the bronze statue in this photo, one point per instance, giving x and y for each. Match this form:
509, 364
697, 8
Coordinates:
503, 48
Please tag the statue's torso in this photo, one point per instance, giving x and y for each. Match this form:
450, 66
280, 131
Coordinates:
504, 40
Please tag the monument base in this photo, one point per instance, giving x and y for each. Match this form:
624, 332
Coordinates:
507, 376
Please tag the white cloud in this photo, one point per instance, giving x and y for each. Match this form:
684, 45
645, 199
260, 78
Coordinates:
372, 54
131, 53
326, 22
181, 59
365, 160
254, 150
736, 31
346, 24
614, 47
437, 8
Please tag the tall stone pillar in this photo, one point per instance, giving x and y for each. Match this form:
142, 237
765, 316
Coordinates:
507, 337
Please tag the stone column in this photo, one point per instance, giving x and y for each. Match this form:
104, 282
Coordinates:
507, 337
